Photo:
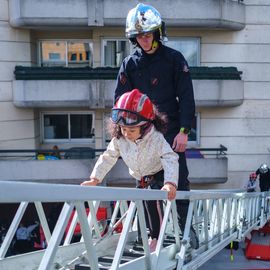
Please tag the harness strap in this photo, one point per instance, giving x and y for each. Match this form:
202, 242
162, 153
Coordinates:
146, 181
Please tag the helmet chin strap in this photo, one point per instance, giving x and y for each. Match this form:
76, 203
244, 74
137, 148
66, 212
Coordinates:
154, 46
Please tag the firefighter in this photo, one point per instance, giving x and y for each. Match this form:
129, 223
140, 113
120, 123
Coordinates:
264, 176
161, 73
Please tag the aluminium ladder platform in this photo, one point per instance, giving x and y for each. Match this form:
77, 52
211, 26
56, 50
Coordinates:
217, 216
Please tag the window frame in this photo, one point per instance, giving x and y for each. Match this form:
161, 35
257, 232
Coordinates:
105, 117
197, 142
198, 43
39, 50
105, 39
69, 140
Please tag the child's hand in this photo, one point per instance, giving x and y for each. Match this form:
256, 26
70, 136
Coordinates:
171, 190
91, 182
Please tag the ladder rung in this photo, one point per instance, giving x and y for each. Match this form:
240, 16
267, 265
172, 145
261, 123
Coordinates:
107, 259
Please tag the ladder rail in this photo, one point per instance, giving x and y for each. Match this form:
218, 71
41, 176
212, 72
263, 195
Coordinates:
217, 217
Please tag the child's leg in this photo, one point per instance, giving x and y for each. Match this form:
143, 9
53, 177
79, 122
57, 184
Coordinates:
155, 208
154, 214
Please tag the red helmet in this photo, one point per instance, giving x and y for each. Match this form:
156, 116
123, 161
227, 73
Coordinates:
133, 109
253, 176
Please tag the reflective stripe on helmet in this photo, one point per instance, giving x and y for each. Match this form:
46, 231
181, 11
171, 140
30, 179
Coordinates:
141, 103
135, 101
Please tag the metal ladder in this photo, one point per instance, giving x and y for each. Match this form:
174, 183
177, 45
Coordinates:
218, 217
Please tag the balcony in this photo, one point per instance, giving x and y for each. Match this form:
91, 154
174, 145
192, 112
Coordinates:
76, 165
43, 14
92, 88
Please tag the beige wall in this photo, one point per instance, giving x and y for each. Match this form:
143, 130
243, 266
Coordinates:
244, 130
16, 126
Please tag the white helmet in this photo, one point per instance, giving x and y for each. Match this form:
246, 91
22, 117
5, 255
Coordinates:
142, 19
263, 168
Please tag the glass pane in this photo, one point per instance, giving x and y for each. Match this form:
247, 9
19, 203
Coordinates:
189, 48
55, 126
193, 131
115, 51
81, 126
53, 53
79, 54
106, 119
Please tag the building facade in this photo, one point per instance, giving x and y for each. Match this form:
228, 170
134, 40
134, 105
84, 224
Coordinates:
59, 60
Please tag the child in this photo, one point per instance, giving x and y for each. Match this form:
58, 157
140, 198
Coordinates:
251, 186
137, 136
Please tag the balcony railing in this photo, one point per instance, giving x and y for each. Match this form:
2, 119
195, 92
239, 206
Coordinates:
108, 73
90, 153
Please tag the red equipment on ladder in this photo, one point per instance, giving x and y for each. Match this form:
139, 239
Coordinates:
258, 246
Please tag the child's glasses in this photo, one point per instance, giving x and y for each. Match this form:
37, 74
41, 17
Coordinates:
126, 117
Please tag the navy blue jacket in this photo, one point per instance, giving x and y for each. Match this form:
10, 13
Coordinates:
164, 77
264, 180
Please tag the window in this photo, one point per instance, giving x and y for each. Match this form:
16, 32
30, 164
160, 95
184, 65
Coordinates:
54, 56
106, 135
79, 54
114, 51
67, 127
65, 53
189, 47
194, 136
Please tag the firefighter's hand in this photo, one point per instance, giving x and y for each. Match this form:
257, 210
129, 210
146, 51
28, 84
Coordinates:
91, 182
171, 190
180, 142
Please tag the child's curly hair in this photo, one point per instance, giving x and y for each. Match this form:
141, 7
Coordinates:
160, 123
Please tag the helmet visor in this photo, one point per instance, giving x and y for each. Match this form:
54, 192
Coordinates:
127, 118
